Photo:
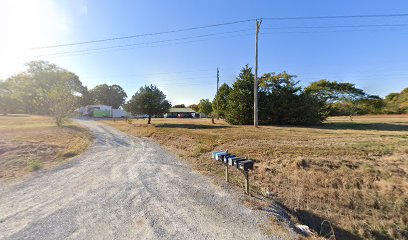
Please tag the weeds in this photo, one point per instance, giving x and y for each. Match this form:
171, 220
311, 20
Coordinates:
34, 165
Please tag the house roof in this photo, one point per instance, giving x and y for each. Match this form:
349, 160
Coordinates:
181, 110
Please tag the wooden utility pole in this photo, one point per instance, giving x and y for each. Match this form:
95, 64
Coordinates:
258, 25
218, 82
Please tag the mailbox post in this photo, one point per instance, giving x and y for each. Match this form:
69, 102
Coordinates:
226, 172
243, 165
246, 174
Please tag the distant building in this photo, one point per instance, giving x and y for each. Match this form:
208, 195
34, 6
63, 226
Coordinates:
181, 113
103, 111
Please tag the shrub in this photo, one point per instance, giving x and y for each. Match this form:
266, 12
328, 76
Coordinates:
34, 165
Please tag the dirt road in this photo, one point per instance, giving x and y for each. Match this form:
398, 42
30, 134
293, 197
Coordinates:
123, 188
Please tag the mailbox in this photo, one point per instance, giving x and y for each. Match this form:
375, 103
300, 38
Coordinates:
226, 157
246, 165
220, 156
214, 154
232, 161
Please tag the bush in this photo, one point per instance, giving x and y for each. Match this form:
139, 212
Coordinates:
34, 165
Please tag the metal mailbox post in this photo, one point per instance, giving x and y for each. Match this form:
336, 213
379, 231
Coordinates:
244, 165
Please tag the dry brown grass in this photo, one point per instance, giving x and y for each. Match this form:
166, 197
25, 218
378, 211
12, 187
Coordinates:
30, 143
353, 174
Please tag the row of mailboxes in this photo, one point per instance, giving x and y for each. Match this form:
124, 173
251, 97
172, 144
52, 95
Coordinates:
232, 160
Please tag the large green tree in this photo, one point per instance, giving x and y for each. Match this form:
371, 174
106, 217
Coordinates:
397, 102
283, 101
220, 102
340, 98
111, 95
34, 90
148, 100
241, 99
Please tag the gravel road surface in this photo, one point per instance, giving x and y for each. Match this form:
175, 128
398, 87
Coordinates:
123, 187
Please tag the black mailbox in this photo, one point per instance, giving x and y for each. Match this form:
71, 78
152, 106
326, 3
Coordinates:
246, 165
234, 160
222, 156
226, 157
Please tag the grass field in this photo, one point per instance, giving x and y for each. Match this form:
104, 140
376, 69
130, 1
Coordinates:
30, 143
353, 174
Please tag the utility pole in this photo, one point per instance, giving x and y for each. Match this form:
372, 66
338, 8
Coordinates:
258, 25
218, 82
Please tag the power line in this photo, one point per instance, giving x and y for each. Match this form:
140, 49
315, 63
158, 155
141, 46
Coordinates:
218, 25
340, 26
144, 43
132, 47
144, 34
129, 46
333, 31
338, 16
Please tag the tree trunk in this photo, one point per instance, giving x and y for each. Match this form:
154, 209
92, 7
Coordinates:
150, 118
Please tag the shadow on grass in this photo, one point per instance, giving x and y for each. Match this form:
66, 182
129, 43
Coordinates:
362, 126
191, 126
323, 227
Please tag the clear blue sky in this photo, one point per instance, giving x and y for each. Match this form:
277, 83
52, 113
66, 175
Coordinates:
374, 58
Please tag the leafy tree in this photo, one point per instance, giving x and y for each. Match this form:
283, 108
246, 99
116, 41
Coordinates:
205, 107
333, 93
194, 107
6, 100
241, 98
397, 102
61, 102
86, 97
221, 99
30, 89
111, 95
371, 104
148, 100
179, 106
282, 101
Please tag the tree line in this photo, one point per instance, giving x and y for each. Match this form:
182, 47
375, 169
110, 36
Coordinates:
283, 101
45, 88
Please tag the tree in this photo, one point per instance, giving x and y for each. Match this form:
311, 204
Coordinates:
30, 89
179, 106
112, 95
397, 102
204, 106
241, 98
61, 102
86, 97
148, 100
194, 107
6, 100
282, 101
220, 101
335, 93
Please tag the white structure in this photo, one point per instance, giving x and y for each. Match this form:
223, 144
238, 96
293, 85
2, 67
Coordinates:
119, 113
87, 110
103, 111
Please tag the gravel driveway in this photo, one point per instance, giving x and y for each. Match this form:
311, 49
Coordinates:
123, 188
